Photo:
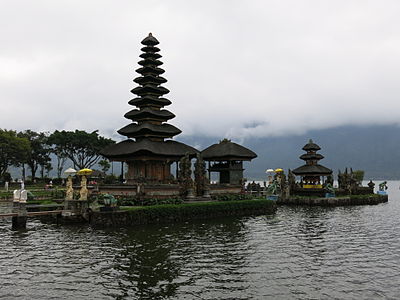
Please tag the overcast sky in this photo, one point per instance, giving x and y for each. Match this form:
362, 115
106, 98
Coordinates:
234, 68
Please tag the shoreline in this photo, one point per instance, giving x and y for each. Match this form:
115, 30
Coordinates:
369, 199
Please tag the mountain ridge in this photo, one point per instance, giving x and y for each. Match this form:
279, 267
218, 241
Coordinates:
374, 149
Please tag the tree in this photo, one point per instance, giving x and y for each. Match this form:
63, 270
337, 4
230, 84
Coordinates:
39, 154
45, 168
13, 150
358, 176
105, 165
58, 143
82, 148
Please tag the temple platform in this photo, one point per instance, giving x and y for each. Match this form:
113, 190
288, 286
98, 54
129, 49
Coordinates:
370, 199
160, 190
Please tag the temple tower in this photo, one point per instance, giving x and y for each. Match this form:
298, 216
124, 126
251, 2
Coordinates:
147, 152
311, 172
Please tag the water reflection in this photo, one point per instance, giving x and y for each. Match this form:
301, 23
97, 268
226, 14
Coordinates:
154, 262
299, 253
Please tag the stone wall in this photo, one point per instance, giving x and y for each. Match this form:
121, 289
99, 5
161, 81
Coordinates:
337, 201
218, 189
146, 190
161, 190
181, 213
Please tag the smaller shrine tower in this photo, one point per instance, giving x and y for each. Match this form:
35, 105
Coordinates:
312, 172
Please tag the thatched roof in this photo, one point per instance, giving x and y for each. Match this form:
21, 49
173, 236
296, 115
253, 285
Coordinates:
134, 130
316, 170
150, 40
146, 113
311, 156
149, 100
128, 149
227, 150
311, 146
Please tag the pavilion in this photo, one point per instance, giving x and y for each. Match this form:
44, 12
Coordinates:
226, 158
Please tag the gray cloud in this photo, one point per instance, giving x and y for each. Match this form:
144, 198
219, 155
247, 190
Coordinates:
235, 68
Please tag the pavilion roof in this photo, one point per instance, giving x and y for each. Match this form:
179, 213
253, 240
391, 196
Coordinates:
227, 150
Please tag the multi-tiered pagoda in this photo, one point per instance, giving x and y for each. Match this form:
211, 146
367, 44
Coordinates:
146, 151
312, 172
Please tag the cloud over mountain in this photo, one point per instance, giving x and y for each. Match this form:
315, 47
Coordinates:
235, 68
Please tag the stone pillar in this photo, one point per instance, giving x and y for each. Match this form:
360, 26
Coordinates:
19, 222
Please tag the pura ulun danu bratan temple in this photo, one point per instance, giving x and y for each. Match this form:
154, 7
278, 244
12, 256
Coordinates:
149, 150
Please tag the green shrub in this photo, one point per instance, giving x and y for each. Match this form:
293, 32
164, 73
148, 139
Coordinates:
134, 201
58, 194
232, 197
110, 179
189, 211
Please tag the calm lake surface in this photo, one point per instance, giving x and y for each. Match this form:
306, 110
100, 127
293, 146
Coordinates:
299, 253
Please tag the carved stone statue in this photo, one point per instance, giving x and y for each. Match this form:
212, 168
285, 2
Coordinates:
200, 177
383, 186
329, 188
185, 176
371, 185
84, 191
291, 180
273, 188
329, 180
69, 194
340, 180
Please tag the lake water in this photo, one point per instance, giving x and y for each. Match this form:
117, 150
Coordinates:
299, 253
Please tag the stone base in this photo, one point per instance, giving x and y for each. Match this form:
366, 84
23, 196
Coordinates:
335, 201
109, 208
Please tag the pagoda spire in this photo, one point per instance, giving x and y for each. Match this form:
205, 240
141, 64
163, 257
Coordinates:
149, 117
311, 157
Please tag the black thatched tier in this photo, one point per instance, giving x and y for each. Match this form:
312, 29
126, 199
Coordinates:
150, 55
150, 49
150, 62
227, 150
130, 148
150, 40
316, 170
149, 101
311, 146
149, 114
149, 130
311, 156
149, 90
150, 79
150, 71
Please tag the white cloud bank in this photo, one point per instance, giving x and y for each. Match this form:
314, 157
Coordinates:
235, 68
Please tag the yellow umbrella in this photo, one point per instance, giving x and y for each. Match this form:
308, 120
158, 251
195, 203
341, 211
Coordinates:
278, 170
84, 172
